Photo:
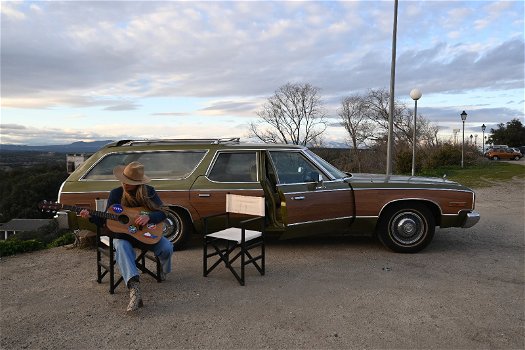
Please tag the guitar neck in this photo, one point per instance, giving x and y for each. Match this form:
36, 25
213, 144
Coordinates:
101, 214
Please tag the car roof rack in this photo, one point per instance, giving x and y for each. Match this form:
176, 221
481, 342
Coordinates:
227, 140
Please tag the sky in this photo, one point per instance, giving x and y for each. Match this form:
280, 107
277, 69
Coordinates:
108, 70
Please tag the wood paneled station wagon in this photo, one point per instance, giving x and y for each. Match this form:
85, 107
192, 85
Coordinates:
304, 194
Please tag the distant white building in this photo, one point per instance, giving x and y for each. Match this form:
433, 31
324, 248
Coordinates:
74, 160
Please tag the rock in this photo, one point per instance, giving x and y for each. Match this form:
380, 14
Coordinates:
85, 239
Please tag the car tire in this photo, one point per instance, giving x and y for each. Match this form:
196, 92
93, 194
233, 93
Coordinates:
517, 158
178, 228
495, 158
406, 228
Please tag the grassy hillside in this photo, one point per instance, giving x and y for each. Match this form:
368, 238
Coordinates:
482, 175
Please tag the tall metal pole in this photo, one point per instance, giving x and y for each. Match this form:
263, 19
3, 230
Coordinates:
414, 141
392, 81
415, 94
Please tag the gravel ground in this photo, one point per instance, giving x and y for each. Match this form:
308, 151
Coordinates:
465, 291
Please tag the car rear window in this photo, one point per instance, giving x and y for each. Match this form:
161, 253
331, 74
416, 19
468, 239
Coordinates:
234, 167
157, 165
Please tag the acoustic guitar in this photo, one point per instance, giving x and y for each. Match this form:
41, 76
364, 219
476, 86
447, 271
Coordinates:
120, 220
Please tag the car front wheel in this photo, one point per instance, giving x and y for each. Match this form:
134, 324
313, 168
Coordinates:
406, 228
495, 158
178, 228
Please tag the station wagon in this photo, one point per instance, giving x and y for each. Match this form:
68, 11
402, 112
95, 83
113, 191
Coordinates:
304, 194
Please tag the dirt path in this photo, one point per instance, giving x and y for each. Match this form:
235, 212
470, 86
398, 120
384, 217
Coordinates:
466, 290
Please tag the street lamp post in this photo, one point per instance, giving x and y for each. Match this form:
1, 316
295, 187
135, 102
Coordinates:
415, 94
463, 118
483, 127
471, 139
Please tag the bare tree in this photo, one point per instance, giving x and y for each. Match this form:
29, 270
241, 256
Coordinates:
355, 119
294, 114
377, 102
427, 133
378, 109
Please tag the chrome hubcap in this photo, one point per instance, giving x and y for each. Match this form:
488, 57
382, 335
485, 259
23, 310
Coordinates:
171, 228
407, 228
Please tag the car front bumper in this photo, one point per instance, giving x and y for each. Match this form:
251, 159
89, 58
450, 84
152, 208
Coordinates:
471, 219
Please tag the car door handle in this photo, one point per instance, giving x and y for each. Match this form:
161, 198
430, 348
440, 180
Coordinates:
298, 198
204, 195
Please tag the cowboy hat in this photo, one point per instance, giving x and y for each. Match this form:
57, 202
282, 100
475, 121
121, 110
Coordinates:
131, 174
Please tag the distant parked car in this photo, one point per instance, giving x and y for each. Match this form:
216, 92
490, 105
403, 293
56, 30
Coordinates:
522, 150
503, 153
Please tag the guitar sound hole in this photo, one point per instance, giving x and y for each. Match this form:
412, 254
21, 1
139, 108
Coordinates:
123, 219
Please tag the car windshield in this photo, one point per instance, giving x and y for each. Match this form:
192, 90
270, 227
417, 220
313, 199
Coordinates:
336, 173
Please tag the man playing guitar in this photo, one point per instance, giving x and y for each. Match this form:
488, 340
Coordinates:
135, 193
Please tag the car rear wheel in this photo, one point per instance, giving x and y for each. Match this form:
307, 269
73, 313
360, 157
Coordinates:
178, 228
406, 228
517, 158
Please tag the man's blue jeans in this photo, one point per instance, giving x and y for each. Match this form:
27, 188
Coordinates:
125, 256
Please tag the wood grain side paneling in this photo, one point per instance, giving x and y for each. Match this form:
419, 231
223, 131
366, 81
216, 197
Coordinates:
370, 202
317, 206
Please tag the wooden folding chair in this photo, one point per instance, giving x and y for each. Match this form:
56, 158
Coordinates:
105, 248
236, 241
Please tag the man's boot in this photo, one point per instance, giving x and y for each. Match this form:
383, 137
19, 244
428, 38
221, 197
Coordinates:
135, 295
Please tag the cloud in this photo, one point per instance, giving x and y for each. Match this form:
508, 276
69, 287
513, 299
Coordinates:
206, 49
127, 106
20, 134
478, 115
445, 69
12, 127
168, 114
231, 107
116, 56
10, 12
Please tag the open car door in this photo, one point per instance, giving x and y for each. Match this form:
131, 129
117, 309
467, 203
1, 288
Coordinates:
311, 202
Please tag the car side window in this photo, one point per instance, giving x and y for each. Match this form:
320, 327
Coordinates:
158, 165
293, 167
234, 167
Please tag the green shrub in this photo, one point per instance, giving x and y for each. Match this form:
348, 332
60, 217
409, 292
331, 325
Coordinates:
404, 161
15, 246
443, 155
67, 238
45, 234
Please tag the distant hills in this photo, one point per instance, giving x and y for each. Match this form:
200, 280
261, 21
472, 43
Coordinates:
75, 147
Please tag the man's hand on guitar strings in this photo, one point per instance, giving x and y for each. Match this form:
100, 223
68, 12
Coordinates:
85, 214
142, 220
